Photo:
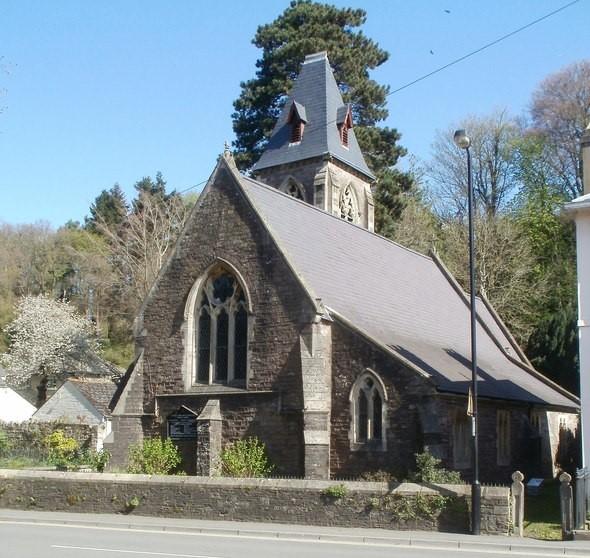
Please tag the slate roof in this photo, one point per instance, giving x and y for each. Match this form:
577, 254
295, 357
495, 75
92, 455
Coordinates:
98, 391
318, 98
401, 300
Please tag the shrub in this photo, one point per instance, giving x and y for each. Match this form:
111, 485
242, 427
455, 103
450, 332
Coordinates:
62, 449
377, 476
246, 458
153, 457
428, 470
4, 444
336, 491
98, 460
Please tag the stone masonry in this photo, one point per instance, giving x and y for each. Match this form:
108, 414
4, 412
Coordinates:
368, 504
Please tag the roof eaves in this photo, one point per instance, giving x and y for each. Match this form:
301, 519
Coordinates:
522, 365
463, 394
545, 380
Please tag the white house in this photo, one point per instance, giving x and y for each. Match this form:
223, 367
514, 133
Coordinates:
580, 210
13, 407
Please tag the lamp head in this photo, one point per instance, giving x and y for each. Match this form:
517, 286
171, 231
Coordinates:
461, 139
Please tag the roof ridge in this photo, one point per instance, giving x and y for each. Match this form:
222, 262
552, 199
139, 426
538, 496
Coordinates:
324, 212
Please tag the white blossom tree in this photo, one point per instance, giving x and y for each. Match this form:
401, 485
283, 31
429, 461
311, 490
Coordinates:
47, 337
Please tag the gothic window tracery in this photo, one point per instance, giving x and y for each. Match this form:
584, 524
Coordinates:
368, 412
293, 189
348, 205
221, 332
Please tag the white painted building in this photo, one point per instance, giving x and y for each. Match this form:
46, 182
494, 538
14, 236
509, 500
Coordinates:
14, 407
580, 211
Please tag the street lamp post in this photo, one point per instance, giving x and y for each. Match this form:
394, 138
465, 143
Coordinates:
463, 141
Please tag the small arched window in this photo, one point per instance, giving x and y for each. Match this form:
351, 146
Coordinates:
368, 412
293, 189
348, 205
220, 330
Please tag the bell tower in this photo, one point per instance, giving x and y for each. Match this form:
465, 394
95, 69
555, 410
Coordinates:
313, 153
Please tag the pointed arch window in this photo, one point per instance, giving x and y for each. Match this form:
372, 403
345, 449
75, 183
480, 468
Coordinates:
348, 205
368, 413
220, 331
293, 189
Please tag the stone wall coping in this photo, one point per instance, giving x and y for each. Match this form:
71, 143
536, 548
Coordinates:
294, 484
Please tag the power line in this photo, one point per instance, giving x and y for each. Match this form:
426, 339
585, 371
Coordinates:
452, 63
484, 47
193, 187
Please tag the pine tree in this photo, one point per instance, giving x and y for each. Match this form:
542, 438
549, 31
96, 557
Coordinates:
303, 28
109, 209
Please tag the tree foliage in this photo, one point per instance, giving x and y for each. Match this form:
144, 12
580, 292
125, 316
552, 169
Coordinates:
47, 337
560, 111
303, 28
140, 243
493, 162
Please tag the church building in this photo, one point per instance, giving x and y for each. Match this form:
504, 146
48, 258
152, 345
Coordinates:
282, 315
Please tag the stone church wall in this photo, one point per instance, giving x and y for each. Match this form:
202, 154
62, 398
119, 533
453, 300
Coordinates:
226, 228
352, 355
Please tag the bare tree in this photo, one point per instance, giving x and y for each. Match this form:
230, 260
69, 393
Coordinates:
140, 245
561, 111
505, 268
493, 160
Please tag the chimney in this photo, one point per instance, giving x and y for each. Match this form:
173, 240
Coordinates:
586, 160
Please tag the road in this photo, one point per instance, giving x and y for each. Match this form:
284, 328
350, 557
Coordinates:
35, 539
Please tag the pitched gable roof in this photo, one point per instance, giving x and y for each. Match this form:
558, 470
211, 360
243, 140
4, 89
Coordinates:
317, 100
98, 391
399, 299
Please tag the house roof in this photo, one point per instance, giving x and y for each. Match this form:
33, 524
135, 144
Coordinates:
401, 300
98, 391
582, 202
318, 102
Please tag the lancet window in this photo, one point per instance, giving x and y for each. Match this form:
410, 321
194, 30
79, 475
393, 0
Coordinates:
368, 412
221, 330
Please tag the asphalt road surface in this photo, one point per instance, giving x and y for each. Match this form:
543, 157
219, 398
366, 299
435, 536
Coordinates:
20, 539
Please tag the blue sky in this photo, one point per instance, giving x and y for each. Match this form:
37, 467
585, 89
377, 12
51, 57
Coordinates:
101, 92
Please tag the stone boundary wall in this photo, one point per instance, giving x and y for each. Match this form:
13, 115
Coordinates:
28, 436
305, 502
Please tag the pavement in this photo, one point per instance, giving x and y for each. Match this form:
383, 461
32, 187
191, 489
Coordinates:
381, 537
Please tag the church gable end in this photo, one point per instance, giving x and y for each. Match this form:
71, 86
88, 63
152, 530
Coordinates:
224, 320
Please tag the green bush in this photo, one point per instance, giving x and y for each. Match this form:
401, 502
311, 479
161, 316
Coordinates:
428, 470
154, 457
62, 450
4, 444
98, 460
246, 458
336, 491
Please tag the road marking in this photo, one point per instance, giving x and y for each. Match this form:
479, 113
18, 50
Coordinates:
121, 551
391, 543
